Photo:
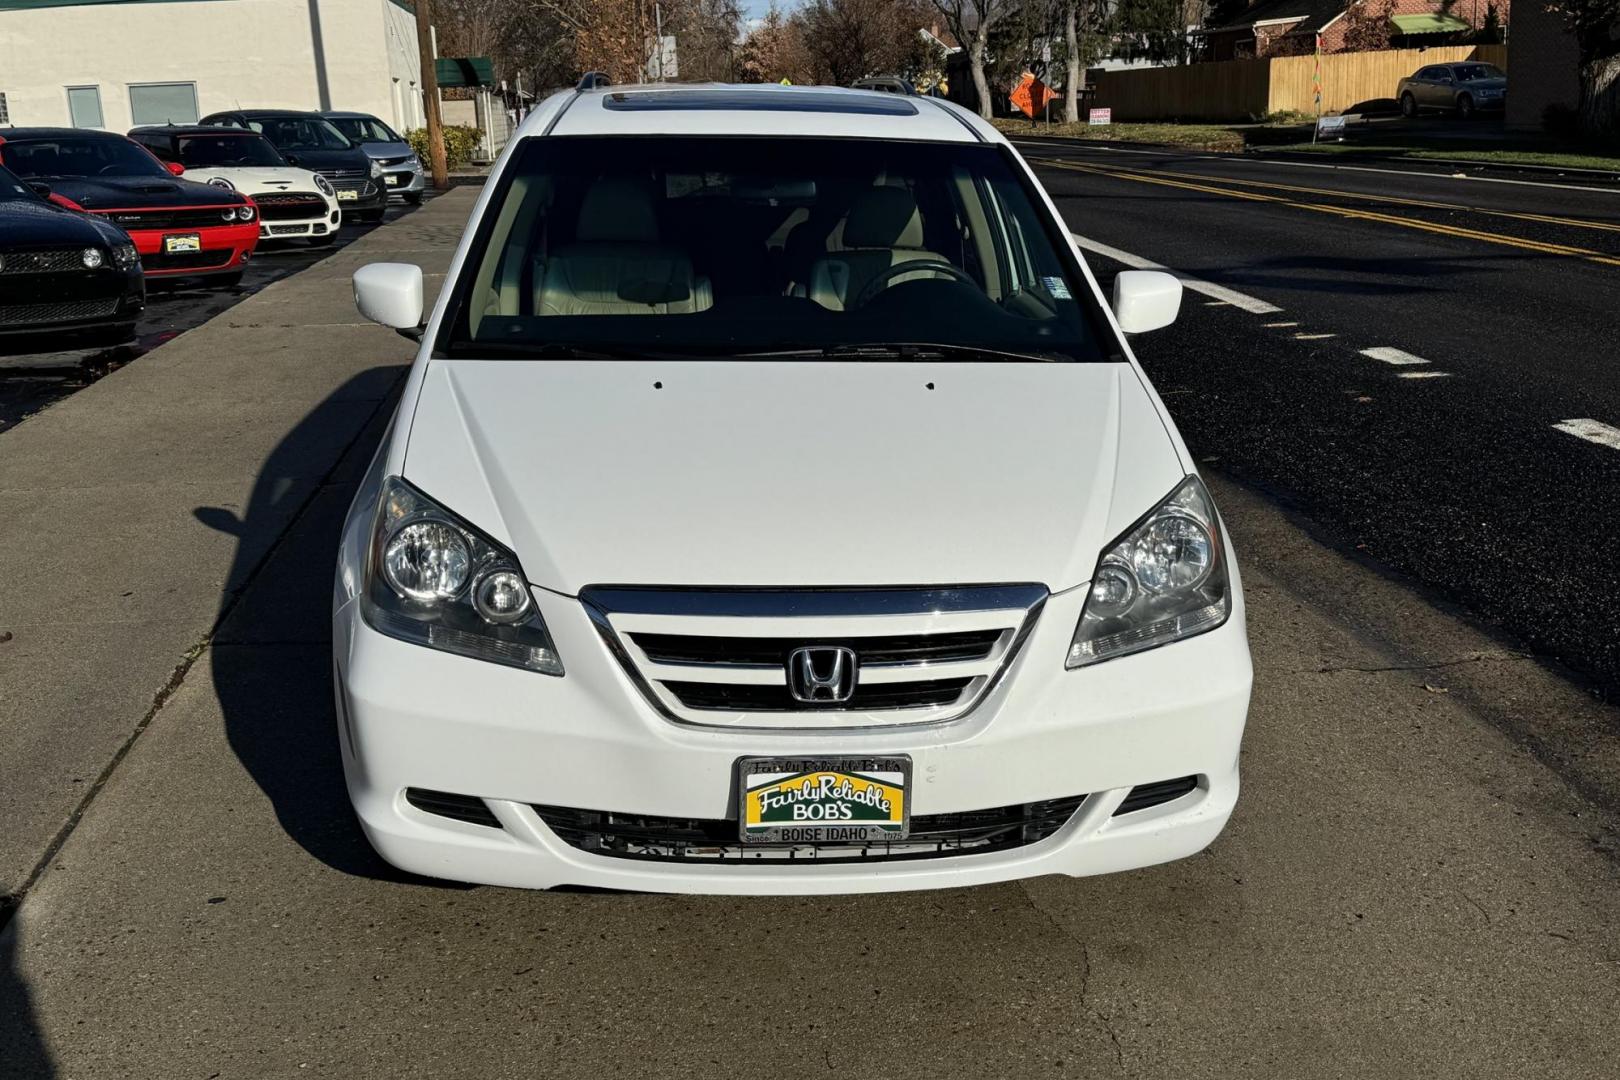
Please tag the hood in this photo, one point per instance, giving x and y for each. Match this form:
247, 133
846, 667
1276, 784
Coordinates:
34, 223
131, 192
327, 160
258, 180
381, 150
792, 474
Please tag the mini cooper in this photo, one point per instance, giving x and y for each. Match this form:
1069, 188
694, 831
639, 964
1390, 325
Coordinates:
294, 204
775, 506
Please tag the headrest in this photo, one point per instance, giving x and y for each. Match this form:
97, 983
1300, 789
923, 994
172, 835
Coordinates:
616, 212
884, 217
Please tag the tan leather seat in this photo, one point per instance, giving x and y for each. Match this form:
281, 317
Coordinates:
884, 229
616, 264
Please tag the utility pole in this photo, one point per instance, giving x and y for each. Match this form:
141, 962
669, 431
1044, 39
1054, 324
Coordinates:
430, 95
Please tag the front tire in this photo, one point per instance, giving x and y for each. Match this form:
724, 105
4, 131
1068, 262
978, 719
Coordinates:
414, 198
1408, 106
322, 241
226, 281
1465, 107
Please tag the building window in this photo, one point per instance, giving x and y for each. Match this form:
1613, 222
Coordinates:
5, 113
84, 106
163, 103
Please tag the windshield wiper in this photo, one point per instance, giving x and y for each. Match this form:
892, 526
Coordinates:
906, 351
552, 350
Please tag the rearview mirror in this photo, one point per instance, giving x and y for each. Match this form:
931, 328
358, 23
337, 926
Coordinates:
390, 294
176, 168
1146, 300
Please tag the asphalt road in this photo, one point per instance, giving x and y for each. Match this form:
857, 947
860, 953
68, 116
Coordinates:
31, 379
1477, 450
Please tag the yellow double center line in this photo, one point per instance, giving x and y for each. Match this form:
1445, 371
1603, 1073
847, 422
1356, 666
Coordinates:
1187, 182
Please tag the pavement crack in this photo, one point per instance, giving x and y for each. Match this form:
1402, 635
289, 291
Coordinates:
1084, 996
1477, 658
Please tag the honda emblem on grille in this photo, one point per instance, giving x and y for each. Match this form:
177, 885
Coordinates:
822, 674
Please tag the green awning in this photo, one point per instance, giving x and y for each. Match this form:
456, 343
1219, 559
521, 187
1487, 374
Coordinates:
1428, 24
464, 71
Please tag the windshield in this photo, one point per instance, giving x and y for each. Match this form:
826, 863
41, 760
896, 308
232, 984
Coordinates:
80, 156
738, 246
1476, 72
300, 133
226, 151
13, 189
365, 129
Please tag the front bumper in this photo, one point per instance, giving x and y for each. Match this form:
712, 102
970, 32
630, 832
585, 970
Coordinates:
411, 717
224, 249
403, 180
369, 196
324, 225
84, 301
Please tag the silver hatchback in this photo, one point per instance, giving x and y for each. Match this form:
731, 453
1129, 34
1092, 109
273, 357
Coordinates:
402, 171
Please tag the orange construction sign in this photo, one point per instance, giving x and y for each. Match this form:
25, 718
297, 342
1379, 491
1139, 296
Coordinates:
1031, 95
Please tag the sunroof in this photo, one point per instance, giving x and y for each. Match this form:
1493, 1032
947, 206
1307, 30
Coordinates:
799, 101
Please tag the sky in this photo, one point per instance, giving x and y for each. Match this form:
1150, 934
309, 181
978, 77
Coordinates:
754, 9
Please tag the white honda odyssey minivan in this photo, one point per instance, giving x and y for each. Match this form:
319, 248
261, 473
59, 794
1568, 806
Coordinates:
775, 506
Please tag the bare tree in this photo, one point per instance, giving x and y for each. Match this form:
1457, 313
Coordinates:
1596, 27
774, 50
850, 39
970, 21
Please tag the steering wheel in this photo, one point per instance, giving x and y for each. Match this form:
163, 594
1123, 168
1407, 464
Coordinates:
881, 282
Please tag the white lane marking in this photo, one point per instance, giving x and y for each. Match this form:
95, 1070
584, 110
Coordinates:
1313, 337
1593, 431
1425, 374
1392, 356
1279, 325
1216, 303
1252, 305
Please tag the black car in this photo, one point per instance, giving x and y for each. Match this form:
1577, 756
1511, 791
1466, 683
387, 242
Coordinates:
309, 141
62, 271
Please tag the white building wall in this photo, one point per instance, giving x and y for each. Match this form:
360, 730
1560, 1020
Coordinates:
238, 54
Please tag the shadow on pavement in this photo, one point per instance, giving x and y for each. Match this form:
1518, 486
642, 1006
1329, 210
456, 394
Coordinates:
271, 657
22, 1044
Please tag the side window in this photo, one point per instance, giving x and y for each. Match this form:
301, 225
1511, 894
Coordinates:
84, 106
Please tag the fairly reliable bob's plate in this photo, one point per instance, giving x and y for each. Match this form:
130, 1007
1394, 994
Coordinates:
838, 800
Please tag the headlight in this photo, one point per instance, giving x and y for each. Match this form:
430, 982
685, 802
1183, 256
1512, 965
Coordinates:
376, 170
125, 256
228, 214
434, 580
244, 213
1162, 581
323, 185
92, 258
221, 182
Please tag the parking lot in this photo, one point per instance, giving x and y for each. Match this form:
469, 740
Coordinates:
1420, 879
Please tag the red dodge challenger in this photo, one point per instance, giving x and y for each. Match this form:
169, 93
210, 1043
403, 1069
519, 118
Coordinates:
181, 229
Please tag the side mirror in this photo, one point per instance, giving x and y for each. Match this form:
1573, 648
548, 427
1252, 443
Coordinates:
42, 190
176, 168
391, 294
1146, 300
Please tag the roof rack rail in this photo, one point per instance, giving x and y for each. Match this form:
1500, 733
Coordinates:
594, 80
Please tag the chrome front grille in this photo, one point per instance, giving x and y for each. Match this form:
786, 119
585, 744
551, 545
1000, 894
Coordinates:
725, 657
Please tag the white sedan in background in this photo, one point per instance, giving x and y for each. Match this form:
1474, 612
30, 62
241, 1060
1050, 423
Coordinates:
294, 203
775, 506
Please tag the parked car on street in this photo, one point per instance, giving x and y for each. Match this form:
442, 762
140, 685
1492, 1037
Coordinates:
309, 141
63, 272
180, 228
402, 172
293, 203
885, 84
775, 506
1467, 88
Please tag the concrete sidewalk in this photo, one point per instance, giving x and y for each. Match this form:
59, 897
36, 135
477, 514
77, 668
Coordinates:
118, 547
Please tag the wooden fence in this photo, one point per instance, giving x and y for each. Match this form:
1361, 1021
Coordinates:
1247, 89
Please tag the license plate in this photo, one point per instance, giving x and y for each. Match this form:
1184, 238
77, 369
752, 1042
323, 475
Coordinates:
183, 242
348, 196
392, 179
823, 800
